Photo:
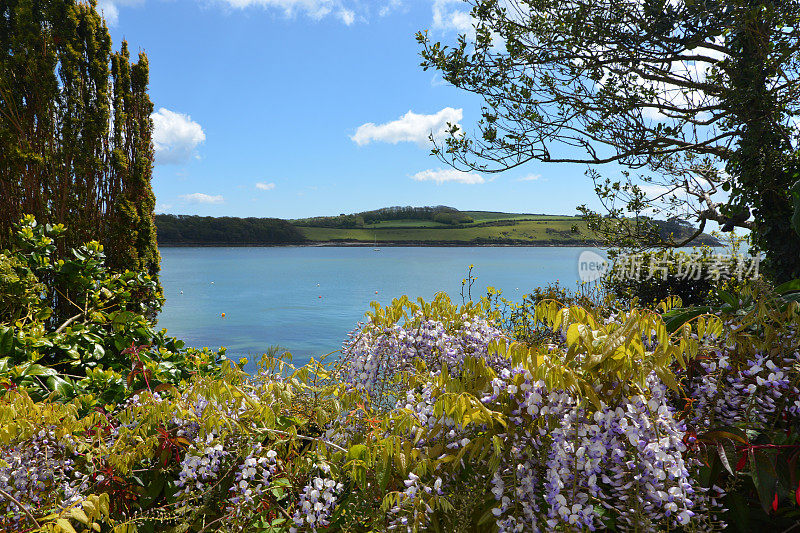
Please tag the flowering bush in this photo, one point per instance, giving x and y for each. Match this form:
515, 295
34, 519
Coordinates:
434, 418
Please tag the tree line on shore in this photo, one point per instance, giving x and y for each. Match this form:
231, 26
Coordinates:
190, 229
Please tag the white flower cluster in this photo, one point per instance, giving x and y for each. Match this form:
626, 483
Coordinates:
410, 505
374, 356
566, 463
317, 503
202, 464
252, 477
723, 395
37, 473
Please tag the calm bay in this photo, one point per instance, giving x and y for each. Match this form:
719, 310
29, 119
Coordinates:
306, 299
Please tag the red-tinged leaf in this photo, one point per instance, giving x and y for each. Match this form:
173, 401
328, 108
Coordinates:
797, 494
775, 502
742, 462
734, 434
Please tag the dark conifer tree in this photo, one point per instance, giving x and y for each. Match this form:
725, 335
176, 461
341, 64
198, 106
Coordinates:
75, 130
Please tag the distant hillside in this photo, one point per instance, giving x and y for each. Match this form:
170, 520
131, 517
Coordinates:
423, 226
189, 230
442, 225
440, 214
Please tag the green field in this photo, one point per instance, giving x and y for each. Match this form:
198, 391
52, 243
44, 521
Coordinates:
517, 229
486, 227
407, 224
493, 216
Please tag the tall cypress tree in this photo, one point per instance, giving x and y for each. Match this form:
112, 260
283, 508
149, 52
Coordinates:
75, 130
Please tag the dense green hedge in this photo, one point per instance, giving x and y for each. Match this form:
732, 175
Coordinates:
693, 276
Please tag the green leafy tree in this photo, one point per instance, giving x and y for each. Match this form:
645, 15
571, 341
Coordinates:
107, 346
75, 131
701, 96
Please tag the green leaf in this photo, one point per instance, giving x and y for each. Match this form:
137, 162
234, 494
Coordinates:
64, 524
764, 477
61, 386
6, 340
36, 369
78, 514
727, 297
357, 451
678, 317
789, 286
152, 491
573, 334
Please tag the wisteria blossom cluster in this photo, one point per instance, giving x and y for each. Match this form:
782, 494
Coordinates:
565, 465
724, 395
202, 465
374, 355
317, 502
253, 475
39, 474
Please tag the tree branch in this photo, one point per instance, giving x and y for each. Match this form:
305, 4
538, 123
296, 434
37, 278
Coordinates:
67, 322
24, 509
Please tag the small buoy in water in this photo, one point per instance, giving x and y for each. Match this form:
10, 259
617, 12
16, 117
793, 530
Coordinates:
181, 292
376, 292
212, 282
223, 315
319, 296
317, 284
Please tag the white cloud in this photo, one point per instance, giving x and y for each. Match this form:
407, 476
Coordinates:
110, 12
411, 127
390, 6
316, 9
448, 18
347, 16
200, 198
265, 186
110, 9
162, 208
446, 175
175, 136
532, 177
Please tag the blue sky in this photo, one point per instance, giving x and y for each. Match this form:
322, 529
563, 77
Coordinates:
295, 108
